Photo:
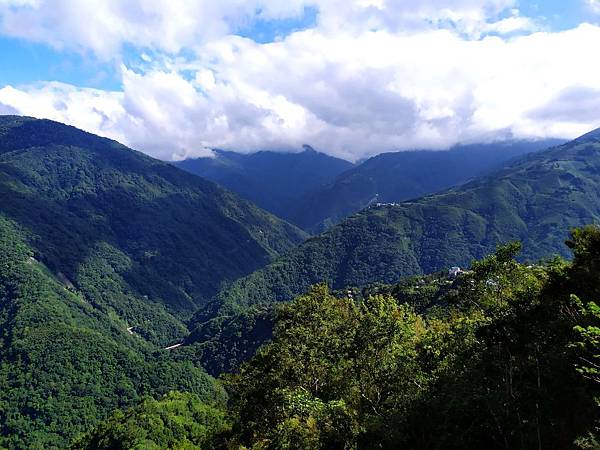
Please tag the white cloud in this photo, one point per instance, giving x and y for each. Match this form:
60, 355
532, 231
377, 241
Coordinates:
372, 76
511, 25
594, 5
104, 26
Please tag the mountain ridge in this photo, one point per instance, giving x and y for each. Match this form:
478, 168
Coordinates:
74, 191
401, 176
535, 199
272, 180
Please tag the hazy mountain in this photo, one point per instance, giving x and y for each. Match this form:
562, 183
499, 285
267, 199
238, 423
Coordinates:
274, 181
399, 176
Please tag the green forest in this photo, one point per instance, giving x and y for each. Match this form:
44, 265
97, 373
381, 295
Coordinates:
506, 357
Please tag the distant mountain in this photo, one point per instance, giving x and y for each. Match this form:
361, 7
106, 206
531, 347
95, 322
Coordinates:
534, 200
400, 176
274, 181
90, 203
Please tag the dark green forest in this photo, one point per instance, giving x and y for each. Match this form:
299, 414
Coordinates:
65, 364
104, 253
506, 357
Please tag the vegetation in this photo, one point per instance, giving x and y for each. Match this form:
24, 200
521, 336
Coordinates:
103, 253
495, 369
177, 421
504, 358
64, 364
134, 235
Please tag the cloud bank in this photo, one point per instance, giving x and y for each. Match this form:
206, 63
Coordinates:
369, 76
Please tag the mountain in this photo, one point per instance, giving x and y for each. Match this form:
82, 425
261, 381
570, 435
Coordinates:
103, 253
127, 229
274, 181
64, 363
534, 200
400, 176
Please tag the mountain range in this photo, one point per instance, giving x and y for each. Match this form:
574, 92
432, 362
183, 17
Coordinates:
122, 276
315, 191
400, 176
535, 200
104, 251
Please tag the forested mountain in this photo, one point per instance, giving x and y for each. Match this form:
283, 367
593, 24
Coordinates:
66, 364
103, 252
96, 210
505, 356
400, 176
533, 200
274, 181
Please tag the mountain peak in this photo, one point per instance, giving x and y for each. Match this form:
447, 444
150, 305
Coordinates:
308, 149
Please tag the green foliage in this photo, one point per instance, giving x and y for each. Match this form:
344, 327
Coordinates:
65, 364
589, 340
335, 371
177, 421
491, 365
222, 344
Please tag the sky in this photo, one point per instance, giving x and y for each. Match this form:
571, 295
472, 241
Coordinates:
352, 78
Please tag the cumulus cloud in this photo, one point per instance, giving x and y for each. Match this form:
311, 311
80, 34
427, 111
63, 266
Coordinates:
105, 26
5, 109
371, 76
595, 5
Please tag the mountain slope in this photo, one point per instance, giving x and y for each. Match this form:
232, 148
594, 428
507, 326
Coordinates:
535, 200
274, 181
106, 218
64, 364
400, 176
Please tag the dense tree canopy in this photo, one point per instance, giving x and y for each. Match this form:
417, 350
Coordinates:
510, 362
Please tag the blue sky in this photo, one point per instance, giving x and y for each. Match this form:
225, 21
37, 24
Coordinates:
350, 77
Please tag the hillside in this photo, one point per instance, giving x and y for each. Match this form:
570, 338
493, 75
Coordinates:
64, 364
274, 181
130, 232
535, 200
104, 251
400, 176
